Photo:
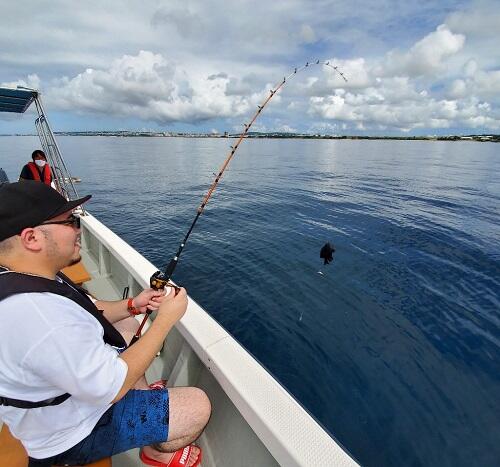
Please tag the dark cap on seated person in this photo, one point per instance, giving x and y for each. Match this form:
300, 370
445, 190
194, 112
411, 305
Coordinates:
28, 204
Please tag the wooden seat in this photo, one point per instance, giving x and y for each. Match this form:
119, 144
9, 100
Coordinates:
13, 454
77, 273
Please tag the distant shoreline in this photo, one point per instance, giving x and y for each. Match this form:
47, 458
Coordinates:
274, 135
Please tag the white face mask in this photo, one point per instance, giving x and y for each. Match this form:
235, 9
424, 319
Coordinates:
40, 162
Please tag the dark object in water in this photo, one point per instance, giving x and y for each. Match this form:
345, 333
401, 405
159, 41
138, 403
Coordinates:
327, 252
3, 177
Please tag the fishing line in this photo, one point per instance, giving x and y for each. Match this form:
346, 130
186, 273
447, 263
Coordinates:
160, 279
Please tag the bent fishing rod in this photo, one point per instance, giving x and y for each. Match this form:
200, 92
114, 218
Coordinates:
159, 279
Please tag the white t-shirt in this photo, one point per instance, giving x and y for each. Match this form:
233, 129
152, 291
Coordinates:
49, 346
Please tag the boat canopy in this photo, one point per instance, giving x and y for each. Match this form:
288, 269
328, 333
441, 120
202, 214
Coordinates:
16, 100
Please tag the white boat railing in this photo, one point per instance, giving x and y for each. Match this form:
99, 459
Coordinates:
61, 175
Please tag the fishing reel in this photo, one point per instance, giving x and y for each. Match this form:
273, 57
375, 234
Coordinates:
159, 281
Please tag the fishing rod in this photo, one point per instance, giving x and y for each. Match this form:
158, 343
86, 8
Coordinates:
159, 279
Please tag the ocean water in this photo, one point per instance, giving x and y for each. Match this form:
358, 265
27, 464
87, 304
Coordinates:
395, 347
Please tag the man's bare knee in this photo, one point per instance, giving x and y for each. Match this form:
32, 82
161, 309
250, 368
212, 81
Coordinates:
189, 412
129, 324
127, 327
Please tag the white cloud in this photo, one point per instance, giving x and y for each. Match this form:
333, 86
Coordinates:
481, 84
479, 19
328, 81
424, 113
151, 87
307, 34
487, 84
457, 89
324, 128
286, 128
427, 56
470, 68
32, 81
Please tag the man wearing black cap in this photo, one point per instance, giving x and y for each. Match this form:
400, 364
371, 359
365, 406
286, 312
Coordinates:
65, 388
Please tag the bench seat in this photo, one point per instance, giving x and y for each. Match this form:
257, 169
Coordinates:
13, 454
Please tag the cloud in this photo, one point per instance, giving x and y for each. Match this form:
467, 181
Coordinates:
285, 128
457, 89
307, 34
482, 84
218, 76
405, 116
358, 72
481, 19
32, 81
470, 68
487, 84
184, 19
324, 128
427, 56
150, 87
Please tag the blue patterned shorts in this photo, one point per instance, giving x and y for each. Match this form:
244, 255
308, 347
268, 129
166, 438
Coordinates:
138, 419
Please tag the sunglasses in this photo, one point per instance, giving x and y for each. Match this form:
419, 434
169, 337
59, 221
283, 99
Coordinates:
72, 220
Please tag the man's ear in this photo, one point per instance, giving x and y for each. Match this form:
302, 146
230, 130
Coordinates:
31, 239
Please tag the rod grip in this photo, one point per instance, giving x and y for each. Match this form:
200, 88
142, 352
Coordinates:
170, 268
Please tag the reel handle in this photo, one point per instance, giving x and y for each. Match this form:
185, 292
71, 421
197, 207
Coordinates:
157, 281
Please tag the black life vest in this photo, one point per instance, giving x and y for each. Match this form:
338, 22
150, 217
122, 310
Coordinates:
12, 283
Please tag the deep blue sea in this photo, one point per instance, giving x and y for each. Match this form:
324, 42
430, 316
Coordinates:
395, 347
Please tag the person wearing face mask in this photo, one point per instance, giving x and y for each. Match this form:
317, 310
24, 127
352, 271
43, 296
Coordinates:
38, 170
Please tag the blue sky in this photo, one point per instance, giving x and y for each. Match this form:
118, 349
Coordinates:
427, 67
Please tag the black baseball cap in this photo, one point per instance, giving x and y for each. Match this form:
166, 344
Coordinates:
29, 203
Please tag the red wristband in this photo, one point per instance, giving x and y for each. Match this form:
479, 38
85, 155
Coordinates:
131, 308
